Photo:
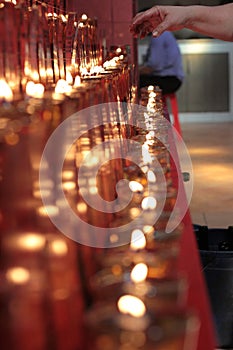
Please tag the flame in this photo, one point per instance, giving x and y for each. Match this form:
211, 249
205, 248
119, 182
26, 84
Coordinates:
62, 87
69, 78
146, 155
82, 208
139, 273
31, 241
35, 90
129, 304
138, 240
77, 81
18, 275
150, 88
69, 185
151, 177
135, 186
84, 17
5, 91
59, 247
149, 203
50, 210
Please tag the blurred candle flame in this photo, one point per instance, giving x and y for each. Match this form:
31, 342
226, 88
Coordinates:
149, 203
35, 90
138, 240
135, 186
5, 91
18, 275
129, 304
139, 273
31, 241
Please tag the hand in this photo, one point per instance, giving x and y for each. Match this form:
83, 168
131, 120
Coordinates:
159, 19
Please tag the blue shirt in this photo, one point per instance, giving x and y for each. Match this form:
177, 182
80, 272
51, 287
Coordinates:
164, 56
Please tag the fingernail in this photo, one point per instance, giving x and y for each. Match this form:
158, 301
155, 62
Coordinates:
155, 33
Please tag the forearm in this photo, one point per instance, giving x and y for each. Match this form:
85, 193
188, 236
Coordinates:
214, 21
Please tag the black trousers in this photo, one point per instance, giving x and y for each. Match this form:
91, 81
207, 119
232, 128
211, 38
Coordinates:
168, 84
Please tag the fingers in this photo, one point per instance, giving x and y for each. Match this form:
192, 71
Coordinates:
144, 23
160, 29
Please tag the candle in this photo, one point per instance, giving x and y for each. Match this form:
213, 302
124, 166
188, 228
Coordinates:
35, 90
6, 93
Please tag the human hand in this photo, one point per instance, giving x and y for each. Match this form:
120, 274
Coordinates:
159, 19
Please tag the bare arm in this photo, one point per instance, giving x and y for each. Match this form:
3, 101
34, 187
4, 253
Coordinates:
214, 21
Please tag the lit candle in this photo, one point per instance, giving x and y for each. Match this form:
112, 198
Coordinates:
6, 93
35, 90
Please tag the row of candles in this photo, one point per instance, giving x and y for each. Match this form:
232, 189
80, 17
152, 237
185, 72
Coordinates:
116, 288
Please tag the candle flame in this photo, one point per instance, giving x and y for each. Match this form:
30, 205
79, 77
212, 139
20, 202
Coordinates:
35, 90
5, 91
138, 240
59, 247
150, 88
62, 87
84, 17
151, 176
77, 81
69, 78
18, 275
139, 273
149, 203
129, 304
31, 241
135, 186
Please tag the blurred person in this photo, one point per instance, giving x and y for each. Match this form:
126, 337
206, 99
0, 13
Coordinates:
163, 64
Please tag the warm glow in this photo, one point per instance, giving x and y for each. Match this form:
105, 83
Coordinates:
84, 17
69, 78
82, 208
5, 91
69, 185
83, 71
138, 240
18, 275
67, 174
151, 176
150, 88
134, 212
77, 81
128, 304
34, 90
96, 70
39, 194
50, 210
149, 203
31, 241
146, 155
139, 273
62, 87
135, 186
114, 238
148, 229
111, 63
63, 18
59, 247
152, 96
